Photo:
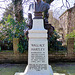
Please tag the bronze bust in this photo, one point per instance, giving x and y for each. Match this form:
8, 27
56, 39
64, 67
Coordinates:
40, 6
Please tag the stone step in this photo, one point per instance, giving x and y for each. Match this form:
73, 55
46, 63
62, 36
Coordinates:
53, 74
58, 74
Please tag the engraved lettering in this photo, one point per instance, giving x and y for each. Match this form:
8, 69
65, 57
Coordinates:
37, 45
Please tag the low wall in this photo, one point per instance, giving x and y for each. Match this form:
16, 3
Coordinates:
57, 57
10, 57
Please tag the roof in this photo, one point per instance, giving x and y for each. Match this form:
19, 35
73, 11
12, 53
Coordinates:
68, 10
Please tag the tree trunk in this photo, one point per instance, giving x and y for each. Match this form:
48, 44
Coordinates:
18, 10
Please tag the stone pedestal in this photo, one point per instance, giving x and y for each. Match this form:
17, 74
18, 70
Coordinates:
38, 51
15, 45
70, 46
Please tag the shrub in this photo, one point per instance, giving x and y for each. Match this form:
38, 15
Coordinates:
71, 35
10, 29
54, 44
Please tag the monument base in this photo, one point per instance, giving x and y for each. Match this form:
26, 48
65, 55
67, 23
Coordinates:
58, 74
28, 72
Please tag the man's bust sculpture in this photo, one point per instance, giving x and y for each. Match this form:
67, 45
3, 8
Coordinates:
40, 6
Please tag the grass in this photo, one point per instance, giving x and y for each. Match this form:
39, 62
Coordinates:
26, 52
6, 51
60, 51
74, 46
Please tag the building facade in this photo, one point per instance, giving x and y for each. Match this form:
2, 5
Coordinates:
67, 22
53, 21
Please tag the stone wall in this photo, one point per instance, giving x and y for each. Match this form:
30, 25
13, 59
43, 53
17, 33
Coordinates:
67, 21
70, 46
9, 57
12, 57
64, 23
71, 19
53, 21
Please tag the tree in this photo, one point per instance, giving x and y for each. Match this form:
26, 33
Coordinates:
8, 11
18, 10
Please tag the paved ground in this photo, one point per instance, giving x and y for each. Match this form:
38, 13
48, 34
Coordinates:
58, 68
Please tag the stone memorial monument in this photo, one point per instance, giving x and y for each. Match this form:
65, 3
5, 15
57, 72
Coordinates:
37, 49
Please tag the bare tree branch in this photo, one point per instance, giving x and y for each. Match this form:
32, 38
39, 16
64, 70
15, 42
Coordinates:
2, 1
2, 8
26, 3
66, 4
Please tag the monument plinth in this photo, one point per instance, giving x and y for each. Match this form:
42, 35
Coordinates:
37, 50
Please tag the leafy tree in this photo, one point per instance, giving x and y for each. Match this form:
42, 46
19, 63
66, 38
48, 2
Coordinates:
54, 44
9, 10
13, 29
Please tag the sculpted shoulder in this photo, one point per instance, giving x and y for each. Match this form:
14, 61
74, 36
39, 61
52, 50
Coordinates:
45, 6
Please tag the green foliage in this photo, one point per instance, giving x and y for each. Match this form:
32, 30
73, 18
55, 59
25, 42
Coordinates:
71, 35
0, 48
9, 10
54, 44
23, 45
13, 29
74, 45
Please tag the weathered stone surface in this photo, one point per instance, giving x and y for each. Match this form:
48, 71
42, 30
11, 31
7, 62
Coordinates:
37, 50
9, 57
58, 74
15, 45
67, 21
70, 46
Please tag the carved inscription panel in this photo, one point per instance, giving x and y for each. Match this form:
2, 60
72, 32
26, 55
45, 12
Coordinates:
37, 53
38, 57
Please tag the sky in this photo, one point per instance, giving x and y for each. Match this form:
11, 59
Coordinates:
3, 5
55, 7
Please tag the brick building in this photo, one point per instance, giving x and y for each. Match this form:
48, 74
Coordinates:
67, 22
